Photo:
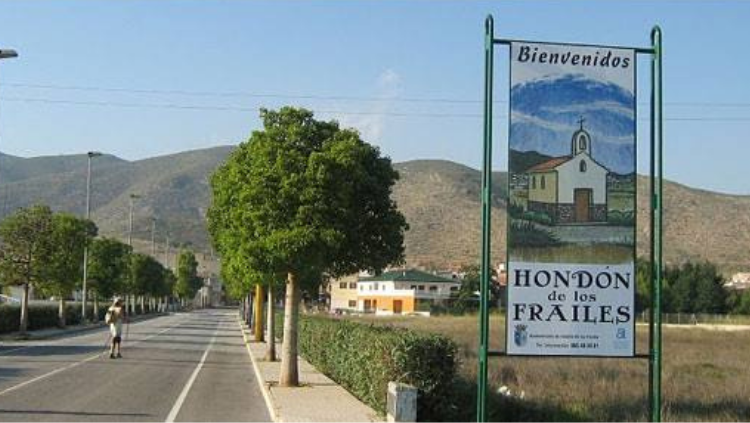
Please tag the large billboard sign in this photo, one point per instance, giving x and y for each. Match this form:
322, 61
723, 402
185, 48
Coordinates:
572, 201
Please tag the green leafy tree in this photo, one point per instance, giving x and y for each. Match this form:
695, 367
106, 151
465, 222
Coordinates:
711, 296
168, 287
642, 285
64, 265
305, 197
109, 264
470, 283
24, 252
741, 302
188, 282
694, 288
147, 276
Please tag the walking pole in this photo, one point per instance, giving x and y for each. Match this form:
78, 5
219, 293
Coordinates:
106, 343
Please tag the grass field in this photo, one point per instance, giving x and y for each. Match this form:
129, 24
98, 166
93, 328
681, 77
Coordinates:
706, 376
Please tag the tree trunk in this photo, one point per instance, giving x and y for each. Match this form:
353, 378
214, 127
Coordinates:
250, 310
24, 310
271, 322
258, 328
289, 372
143, 305
95, 317
61, 313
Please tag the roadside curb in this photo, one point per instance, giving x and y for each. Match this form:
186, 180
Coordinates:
265, 390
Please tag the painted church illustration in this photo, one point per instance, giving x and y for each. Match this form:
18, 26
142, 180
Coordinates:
570, 189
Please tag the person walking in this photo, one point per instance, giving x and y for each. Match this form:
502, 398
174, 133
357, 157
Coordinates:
116, 316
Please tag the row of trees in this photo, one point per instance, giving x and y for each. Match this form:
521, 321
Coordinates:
691, 288
43, 250
302, 200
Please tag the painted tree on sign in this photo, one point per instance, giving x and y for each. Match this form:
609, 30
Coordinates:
303, 197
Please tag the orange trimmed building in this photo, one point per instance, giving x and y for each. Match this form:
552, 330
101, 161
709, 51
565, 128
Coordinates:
402, 292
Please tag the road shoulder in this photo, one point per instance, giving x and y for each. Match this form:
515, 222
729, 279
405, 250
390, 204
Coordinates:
304, 403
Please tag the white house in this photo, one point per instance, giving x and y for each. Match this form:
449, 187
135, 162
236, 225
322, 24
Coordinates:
570, 189
404, 291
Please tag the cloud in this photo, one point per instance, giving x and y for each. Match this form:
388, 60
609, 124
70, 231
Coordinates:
388, 85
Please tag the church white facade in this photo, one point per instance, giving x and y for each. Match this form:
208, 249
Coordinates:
570, 189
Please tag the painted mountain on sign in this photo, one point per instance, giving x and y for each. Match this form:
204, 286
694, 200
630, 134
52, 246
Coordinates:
547, 111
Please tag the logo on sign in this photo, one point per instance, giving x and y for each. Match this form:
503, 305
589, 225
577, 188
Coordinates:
621, 334
520, 336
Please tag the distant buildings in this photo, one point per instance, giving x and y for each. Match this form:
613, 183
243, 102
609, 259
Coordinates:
343, 293
739, 282
391, 293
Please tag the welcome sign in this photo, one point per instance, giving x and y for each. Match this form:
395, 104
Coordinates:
572, 201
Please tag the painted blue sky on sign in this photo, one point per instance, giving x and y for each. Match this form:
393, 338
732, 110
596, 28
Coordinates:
546, 112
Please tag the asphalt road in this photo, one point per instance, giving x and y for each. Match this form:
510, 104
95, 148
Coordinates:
182, 367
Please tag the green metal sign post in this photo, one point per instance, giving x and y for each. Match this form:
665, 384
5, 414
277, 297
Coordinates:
656, 228
485, 274
656, 224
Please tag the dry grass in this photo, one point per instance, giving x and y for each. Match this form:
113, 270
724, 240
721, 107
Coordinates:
706, 376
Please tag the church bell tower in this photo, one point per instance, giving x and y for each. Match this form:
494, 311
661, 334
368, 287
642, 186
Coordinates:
581, 141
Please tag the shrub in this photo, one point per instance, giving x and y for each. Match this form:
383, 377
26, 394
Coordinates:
41, 316
538, 217
515, 209
364, 358
526, 234
44, 315
9, 317
621, 218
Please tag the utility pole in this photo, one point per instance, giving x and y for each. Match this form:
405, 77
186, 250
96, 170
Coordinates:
166, 253
8, 53
91, 155
153, 237
133, 197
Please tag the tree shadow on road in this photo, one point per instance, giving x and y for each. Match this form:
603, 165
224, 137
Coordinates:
8, 373
74, 413
49, 350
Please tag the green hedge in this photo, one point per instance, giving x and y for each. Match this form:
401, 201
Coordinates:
44, 316
364, 358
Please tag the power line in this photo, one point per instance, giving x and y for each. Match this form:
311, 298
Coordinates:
177, 106
240, 94
314, 96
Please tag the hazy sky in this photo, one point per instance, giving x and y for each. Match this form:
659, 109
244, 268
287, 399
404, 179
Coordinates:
139, 78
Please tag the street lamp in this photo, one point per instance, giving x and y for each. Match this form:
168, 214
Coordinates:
8, 53
91, 155
133, 197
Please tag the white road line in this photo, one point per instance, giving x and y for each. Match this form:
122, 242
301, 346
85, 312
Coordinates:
185, 390
78, 363
264, 390
46, 375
